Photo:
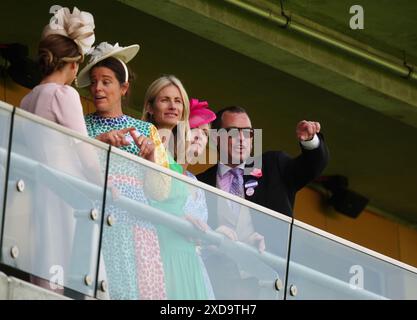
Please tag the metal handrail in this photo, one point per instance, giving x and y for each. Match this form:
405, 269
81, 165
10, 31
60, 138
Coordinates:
201, 185
184, 227
180, 225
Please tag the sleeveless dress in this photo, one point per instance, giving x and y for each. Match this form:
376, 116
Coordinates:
184, 277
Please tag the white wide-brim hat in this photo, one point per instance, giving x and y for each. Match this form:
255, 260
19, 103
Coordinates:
103, 51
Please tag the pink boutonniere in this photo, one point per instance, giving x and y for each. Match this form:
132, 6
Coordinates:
257, 173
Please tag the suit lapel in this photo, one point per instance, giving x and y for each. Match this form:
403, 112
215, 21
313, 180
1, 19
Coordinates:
212, 176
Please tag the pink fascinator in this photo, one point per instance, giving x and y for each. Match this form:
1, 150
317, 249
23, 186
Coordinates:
200, 113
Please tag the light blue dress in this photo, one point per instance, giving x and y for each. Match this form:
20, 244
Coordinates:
196, 206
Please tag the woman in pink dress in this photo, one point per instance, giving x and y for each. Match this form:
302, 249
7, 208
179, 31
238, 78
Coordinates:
64, 42
51, 219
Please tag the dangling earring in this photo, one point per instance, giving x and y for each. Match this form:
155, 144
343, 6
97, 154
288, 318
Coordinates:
76, 82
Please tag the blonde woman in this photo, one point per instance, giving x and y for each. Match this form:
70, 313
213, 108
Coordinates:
167, 107
164, 107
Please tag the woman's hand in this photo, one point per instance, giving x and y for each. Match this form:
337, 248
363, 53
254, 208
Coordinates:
116, 138
146, 146
258, 241
228, 232
198, 223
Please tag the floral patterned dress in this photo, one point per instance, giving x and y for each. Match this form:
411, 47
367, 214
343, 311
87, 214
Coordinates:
130, 247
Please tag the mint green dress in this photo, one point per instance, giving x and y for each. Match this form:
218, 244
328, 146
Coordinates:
182, 268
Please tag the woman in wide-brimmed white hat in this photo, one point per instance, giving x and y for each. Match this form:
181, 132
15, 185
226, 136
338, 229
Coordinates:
130, 247
108, 78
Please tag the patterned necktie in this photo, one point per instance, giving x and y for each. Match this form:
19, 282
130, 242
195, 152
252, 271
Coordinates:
236, 188
237, 182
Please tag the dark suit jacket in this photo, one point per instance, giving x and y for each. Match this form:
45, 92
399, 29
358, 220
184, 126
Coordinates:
282, 177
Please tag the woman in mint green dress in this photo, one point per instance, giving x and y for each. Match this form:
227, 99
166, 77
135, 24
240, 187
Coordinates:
184, 277
167, 107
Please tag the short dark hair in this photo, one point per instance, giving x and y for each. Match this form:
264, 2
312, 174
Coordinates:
217, 123
116, 66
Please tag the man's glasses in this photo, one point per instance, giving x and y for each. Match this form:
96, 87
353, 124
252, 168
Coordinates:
234, 132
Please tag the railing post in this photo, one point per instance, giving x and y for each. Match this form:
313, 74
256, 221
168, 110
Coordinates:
287, 271
103, 212
6, 179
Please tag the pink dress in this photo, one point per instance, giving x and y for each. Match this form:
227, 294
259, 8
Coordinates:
58, 103
51, 218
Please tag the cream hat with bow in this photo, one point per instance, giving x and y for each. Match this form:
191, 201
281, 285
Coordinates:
78, 26
103, 51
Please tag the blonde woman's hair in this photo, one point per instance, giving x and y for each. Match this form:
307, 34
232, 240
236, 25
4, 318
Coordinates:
150, 96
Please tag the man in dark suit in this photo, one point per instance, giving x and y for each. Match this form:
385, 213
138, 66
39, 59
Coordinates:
273, 182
